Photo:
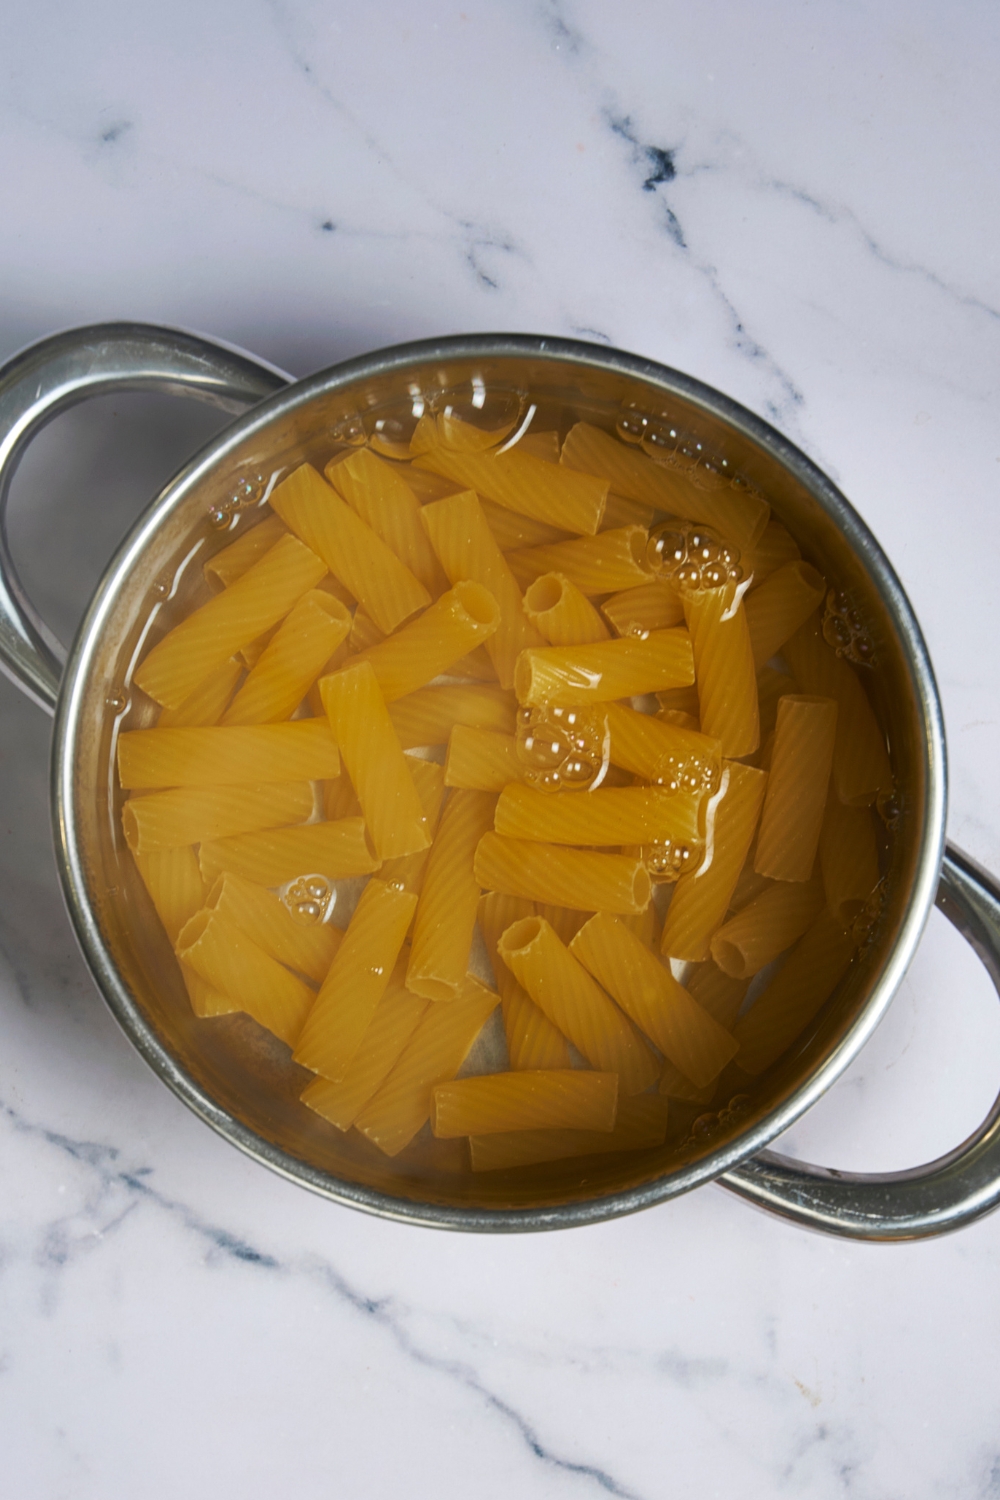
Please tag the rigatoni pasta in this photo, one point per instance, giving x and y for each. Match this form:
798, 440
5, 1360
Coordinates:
796, 790
563, 615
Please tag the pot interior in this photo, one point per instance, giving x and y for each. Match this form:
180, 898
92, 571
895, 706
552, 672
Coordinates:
240, 1077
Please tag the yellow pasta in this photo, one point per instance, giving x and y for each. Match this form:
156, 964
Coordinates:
771, 687
569, 877
543, 445
352, 551
739, 514
339, 800
356, 980
187, 815
724, 669
532, 1040
291, 661
860, 761
808, 978
766, 926
564, 1099
307, 947
434, 641
575, 1004
701, 897
796, 790
656, 750
250, 655
567, 676
619, 815
480, 760
718, 993
645, 925
777, 609
564, 920
428, 716
519, 482
446, 914
244, 756
641, 1124
378, 491
775, 548
601, 564
208, 637
511, 531
175, 885
629, 473
427, 486
364, 632
232, 964
647, 992
205, 1002
476, 664
408, 871
848, 859
233, 561
336, 850
375, 762
396, 1017
749, 885
207, 703
463, 542
433, 1055
561, 614
649, 606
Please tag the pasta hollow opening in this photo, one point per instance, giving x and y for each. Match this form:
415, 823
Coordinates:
478, 602
520, 935
545, 593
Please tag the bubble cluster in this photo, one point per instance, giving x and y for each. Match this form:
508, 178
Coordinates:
694, 557
391, 436
668, 861
688, 772
247, 491
708, 1125
670, 445
563, 749
844, 630
310, 898
350, 430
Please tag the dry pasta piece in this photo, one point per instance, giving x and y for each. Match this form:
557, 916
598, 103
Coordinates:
619, 815
352, 551
641, 1124
480, 760
434, 641
775, 548
724, 669
860, 761
777, 609
575, 1004
205, 1001
771, 687
233, 561
701, 898
649, 606
766, 926
207, 703
811, 973
433, 1055
232, 964
561, 1099
356, 980
175, 885
245, 755
336, 850
561, 614
613, 560
579, 675
187, 815
564, 920
796, 790
532, 1040
375, 762
446, 914
408, 872
656, 750
428, 716
848, 858
209, 636
308, 947
396, 1017
647, 991
628, 471
378, 491
530, 486
291, 661
464, 543
569, 877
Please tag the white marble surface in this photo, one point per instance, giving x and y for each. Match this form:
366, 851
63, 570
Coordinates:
794, 202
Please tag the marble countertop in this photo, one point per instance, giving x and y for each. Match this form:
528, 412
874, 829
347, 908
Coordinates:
795, 203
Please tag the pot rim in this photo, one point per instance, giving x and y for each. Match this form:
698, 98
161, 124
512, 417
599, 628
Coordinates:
71, 857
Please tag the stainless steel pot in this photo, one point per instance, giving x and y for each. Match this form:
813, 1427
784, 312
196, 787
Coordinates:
247, 1090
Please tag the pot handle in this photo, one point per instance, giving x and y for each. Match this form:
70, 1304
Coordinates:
939, 1196
50, 376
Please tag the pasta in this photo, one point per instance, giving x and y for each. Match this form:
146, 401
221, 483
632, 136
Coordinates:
187, 815
408, 871
724, 669
775, 548
766, 926
307, 947
796, 790
205, 1002
848, 859
659, 751
233, 561
336, 850
352, 551
207, 703
386, 503
291, 661
246, 755
615, 559
428, 716
510, 530
531, 486
561, 614
434, 641
175, 885
648, 606
233, 965
532, 1040
777, 609
629, 473
575, 1004
620, 815
567, 1099
641, 1124
446, 914
569, 877
480, 760
569, 675
812, 971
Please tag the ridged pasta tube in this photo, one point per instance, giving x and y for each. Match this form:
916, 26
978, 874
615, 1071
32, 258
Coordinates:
175, 884
777, 609
291, 661
860, 761
480, 760
649, 606
641, 1124
207, 703
797, 786
656, 750
378, 491
619, 815
187, 815
724, 669
765, 927
567, 1099
276, 855
567, 877
613, 560
453, 625
307, 947
427, 716
563, 615
231, 963
446, 914
579, 675
848, 858
550, 493
233, 561
806, 981
532, 1040
246, 755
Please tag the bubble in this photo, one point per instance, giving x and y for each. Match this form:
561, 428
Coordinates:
739, 1105
350, 430
161, 588
562, 747
844, 629
117, 701
660, 441
667, 861
889, 806
310, 898
704, 1127
693, 557
219, 516
630, 424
